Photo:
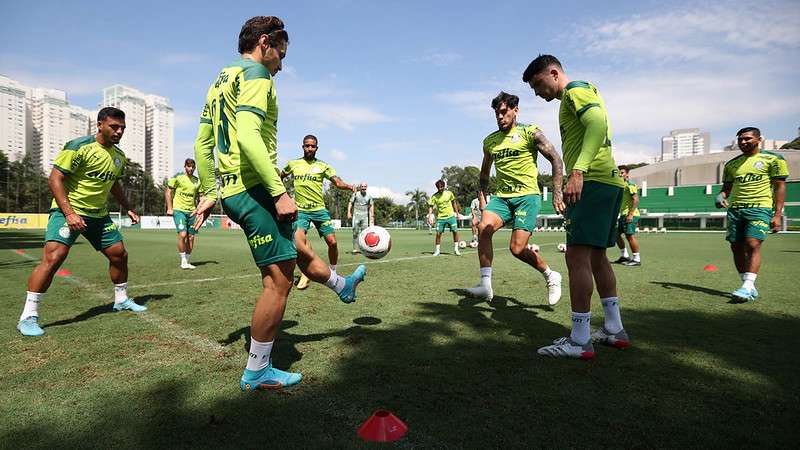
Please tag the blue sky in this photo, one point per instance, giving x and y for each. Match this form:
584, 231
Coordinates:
397, 90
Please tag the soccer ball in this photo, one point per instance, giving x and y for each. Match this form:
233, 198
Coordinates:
562, 248
473, 244
375, 242
462, 244
533, 247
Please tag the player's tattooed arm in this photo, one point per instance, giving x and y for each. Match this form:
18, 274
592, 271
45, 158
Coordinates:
341, 184
549, 151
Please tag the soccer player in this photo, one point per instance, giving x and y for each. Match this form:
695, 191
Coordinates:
446, 205
83, 174
181, 199
513, 149
476, 209
750, 183
361, 209
308, 173
592, 199
628, 220
240, 119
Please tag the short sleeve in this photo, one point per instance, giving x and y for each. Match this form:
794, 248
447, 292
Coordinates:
68, 160
633, 189
330, 172
254, 90
172, 182
779, 169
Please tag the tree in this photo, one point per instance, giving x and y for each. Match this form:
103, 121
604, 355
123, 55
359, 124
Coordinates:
419, 199
387, 211
336, 201
143, 195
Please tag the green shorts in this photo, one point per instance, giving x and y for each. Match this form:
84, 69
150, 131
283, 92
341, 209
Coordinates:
522, 210
449, 222
629, 229
184, 221
321, 219
270, 241
593, 220
748, 223
101, 232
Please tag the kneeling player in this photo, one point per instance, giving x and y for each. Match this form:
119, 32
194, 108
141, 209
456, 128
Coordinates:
513, 148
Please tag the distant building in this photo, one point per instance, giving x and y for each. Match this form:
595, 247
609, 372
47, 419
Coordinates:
685, 142
13, 119
766, 144
132, 103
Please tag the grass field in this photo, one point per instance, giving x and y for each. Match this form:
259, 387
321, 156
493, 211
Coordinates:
702, 373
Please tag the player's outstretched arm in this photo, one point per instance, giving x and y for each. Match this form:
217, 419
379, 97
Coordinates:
779, 194
204, 157
56, 183
119, 194
342, 185
549, 152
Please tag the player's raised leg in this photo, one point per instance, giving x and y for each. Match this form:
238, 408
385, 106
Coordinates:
316, 270
519, 248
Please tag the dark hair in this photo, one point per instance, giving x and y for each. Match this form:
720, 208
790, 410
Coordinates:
439, 182
311, 136
189, 161
110, 111
624, 167
511, 100
540, 64
258, 25
753, 130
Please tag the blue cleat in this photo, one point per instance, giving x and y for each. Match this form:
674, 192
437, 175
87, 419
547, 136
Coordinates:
348, 294
268, 378
745, 295
30, 326
130, 306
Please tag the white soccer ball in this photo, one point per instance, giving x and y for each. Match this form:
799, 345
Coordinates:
375, 242
533, 247
562, 248
462, 244
473, 244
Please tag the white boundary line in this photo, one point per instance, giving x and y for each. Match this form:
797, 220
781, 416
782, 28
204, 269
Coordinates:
164, 325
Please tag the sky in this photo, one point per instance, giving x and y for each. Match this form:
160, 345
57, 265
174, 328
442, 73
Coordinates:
395, 91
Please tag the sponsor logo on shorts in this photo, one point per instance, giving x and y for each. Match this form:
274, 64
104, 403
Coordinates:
64, 232
110, 227
259, 240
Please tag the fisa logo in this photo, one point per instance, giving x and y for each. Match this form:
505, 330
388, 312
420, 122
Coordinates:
12, 220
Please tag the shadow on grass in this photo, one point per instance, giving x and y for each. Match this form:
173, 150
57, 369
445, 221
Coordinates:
692, 379
693, 288
103, 309
203, 263
19, 263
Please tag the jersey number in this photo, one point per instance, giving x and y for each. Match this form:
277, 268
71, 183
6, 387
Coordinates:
223, 141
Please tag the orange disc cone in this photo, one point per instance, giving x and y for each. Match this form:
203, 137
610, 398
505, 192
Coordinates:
383, 426
710, 268
64, 273
19, 251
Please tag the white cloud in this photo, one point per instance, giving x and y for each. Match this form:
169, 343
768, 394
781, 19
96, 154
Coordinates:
380, 191
337, 155
633, 153
441, 59
344, 115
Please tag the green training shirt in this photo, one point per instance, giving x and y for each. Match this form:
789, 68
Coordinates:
308, 177
91, 171
443, 204
514, 154
582, 109
185, 189
628, 192
752, 177
240, 120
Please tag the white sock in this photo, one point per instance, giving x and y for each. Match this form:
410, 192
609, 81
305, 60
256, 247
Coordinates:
438, 247
625, 252
580, 327
333, 267
486, 277
741, 276
547, 272
183, 257
636, 257
120, 292
335, 282
474, 237
31, 305
455, 246
258, 357
613, 321
749, 279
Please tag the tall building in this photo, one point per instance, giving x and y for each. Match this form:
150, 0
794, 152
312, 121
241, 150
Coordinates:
149, 138
131, 101
53, 122
159, 137
685, 142
766, 144
13, 119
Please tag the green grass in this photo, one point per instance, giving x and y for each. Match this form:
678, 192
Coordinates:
703, 372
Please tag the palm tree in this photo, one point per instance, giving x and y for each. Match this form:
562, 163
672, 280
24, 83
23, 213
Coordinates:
418, 198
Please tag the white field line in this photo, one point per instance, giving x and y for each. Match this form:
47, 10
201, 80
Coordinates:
164, 325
